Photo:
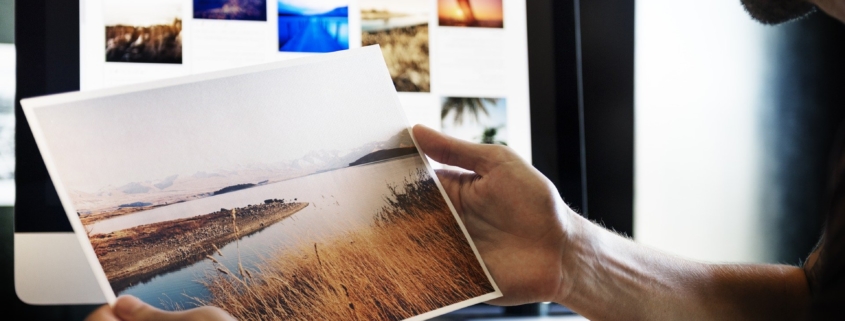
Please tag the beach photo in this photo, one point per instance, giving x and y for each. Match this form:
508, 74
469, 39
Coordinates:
400, 27
143, 31
249, 10
315, 207
313, 25
475, 119
470, 13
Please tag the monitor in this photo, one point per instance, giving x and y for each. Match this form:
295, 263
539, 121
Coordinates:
480, 70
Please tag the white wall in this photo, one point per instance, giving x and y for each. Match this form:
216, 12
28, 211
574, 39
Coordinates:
699, 74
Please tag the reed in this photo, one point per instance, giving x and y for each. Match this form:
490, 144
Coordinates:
412, 259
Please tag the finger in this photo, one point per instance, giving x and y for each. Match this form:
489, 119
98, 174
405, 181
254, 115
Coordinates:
207, 313
103, 313
453, 151
451, 181
130, 308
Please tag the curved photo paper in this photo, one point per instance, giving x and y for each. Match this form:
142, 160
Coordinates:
289, 191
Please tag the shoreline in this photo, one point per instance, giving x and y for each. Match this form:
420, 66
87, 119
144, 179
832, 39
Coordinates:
138, 254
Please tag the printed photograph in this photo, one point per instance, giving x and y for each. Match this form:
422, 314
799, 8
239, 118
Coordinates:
306, 208
143, 31
7, 124
400, 28
313, 25
478, 120
250, 10
470, 13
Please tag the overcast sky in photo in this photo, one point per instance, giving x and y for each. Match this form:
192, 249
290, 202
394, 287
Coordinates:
262, 118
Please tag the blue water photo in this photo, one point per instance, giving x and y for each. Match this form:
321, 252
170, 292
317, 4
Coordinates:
314, 26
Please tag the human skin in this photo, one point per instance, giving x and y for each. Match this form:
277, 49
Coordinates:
538, 249
834, 8
129, 308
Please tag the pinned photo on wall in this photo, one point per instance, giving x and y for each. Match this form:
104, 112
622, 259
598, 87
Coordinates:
7, 124
143, 31
474, 119
249, 10
400, 28
470, 13
313, 25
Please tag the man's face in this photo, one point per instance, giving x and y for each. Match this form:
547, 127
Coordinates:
777, 11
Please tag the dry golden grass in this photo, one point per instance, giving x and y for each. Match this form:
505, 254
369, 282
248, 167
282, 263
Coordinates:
412, 260
406, 54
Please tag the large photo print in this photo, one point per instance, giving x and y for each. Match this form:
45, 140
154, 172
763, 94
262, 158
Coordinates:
294, 193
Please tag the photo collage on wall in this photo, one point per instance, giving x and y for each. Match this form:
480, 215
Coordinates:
444, 56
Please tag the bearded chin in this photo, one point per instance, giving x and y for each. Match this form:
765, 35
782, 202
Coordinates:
772, 12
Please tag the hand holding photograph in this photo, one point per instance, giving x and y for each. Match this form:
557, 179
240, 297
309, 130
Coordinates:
288, 191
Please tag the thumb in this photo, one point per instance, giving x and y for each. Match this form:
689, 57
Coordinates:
452, 151
130, 308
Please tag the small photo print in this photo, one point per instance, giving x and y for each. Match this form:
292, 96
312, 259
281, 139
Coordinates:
143, 31
7, 123
313, 26
250, 10
400, 28
470, 13
478, 120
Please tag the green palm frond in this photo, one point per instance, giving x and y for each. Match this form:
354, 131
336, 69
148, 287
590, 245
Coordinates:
463, 105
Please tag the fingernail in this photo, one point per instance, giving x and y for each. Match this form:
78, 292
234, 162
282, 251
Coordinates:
126, 305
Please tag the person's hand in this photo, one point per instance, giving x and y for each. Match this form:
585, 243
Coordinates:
129, 308
513, 213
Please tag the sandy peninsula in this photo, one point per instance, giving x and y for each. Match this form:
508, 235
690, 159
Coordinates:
137, 254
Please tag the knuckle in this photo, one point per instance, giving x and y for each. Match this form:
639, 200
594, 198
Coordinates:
500, 154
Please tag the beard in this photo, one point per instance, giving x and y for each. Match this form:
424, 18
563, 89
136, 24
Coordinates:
772, 12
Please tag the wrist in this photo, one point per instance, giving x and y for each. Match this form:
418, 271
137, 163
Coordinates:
574, 249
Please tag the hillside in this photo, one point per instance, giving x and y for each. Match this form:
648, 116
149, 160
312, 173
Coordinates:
384, 154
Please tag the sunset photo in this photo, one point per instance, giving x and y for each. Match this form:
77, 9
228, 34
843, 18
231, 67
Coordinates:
470, 13
401, 29
313, 207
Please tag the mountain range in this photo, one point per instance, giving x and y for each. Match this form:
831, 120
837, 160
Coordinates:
203, 183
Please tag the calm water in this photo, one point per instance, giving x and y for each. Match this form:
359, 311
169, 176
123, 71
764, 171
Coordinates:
340, 201
313, 34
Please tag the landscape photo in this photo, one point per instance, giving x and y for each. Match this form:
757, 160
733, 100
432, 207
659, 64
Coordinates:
7, 124
400, 28
475, 119
317, 207
470, 13
313, 25
250, 10
143, 31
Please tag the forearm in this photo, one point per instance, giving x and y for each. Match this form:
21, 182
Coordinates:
612, 278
